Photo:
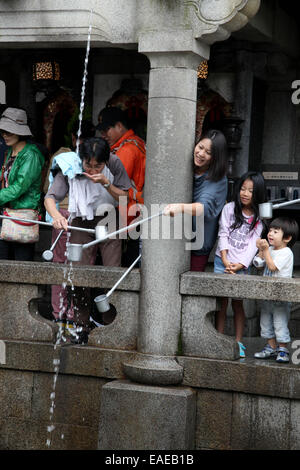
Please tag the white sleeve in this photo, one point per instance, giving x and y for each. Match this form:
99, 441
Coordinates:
282, 258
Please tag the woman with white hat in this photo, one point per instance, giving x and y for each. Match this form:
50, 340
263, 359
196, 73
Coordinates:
20, 176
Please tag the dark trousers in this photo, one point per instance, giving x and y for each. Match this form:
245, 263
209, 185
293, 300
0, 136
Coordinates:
16, 251
199, 262
111, 252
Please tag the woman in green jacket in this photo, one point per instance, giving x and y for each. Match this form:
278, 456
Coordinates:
21, 176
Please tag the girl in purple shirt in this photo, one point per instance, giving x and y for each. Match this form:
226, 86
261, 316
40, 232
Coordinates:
239, 228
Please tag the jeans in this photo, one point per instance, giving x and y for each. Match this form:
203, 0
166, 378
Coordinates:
219, 267
274, 318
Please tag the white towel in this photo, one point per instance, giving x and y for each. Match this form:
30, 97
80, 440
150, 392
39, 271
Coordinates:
85, 197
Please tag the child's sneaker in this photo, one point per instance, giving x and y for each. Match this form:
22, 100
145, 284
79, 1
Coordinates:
266, 353
283, 355
242, 349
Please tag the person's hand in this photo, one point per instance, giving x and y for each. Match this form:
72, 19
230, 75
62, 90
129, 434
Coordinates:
258, 242
60, 222
173, 209
263, 245
232, 268
225, 261
97, 178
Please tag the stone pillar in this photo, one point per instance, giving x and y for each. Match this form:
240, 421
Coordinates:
174, 58
139, 417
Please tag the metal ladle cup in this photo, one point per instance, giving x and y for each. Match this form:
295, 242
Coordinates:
48, 254
74, 250
101, 301
266, 209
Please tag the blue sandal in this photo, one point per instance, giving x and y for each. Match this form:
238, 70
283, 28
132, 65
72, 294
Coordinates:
242, 349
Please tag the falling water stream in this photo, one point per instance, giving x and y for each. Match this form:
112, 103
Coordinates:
60, 339
68, 270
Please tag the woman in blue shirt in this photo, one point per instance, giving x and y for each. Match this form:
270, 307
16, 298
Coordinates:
209, 193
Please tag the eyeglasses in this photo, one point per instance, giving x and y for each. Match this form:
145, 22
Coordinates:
93, 167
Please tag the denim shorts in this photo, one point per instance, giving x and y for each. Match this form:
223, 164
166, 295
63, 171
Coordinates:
219, 267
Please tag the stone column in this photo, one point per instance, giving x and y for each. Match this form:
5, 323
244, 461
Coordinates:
174, 57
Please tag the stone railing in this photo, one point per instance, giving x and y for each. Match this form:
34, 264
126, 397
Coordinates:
200, 293
20, 319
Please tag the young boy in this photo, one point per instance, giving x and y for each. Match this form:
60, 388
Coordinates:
277, 260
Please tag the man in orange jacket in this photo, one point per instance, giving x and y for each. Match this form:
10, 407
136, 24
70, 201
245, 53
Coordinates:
129, 148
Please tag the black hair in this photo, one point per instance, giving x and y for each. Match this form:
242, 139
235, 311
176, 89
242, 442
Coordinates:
119, 116
219, 156
289, 228
95, 147
87, 129
258, 197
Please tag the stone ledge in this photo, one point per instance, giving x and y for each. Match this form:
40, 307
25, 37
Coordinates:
251, 376
239, 286
27, 272
75, 360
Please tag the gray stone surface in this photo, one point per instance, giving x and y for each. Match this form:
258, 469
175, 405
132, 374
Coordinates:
122, 332
240, 404
29, 272
251, 376
164, 260
156, 370
214, 414
239, 286
199, 336
19, 320
77, 360
238, 421
25, 411
120, 21
135, 417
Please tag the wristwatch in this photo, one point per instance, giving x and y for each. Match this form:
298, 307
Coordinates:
107, 185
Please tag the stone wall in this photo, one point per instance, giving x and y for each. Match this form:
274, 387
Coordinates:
238, 405
224, 403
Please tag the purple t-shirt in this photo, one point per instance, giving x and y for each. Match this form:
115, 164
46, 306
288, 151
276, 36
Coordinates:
241, 242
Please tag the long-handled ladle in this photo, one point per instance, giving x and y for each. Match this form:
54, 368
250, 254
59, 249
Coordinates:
102, 300
74, 250
47, 224
266, 208
48, 254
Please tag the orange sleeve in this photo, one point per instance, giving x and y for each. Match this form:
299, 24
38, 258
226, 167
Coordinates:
127, 156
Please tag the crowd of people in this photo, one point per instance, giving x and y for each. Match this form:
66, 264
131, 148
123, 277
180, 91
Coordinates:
106, 179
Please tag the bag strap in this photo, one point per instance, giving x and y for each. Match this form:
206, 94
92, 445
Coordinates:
27, 224
132, 141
